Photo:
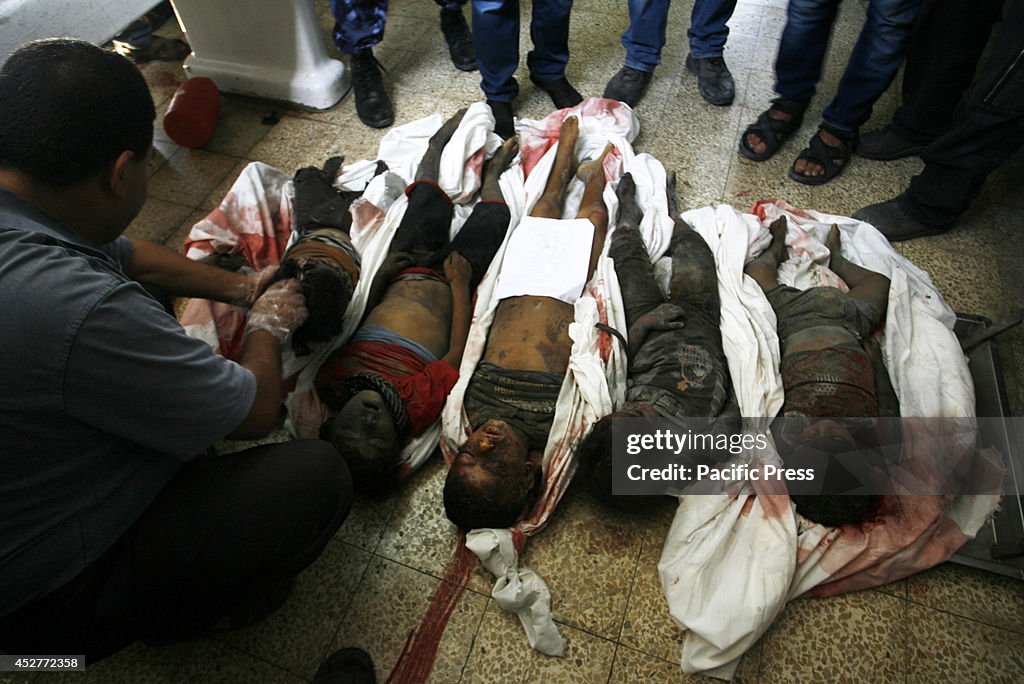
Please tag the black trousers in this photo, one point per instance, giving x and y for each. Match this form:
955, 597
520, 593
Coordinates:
987, 128
948, 41
226, 535
424, 230
694, 284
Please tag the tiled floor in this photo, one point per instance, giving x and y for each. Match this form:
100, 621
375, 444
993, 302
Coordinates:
376, 578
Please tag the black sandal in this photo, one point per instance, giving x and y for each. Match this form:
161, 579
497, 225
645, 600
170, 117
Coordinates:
773, 132
832, 159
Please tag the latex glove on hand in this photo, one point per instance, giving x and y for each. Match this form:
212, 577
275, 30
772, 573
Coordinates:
280, 310
255, 284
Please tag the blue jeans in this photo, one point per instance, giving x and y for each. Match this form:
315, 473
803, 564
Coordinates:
645, 36
359, 24
496, 39
876, 57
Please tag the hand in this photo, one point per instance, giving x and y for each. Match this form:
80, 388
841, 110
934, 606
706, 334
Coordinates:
280, 310
254, 286
457, 270
664, 317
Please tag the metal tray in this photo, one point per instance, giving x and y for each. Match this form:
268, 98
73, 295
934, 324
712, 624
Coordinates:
999, 546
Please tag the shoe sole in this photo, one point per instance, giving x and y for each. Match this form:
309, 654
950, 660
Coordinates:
892, 156
383, 123
918, 234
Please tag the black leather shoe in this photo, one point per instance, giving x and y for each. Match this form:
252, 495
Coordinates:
504, 124
714, 81
372, 103
628, 85
561, 91
894, 223
460, 41
886, 145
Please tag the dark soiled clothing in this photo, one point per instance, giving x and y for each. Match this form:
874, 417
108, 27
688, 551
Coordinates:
677, 372
424, 231
524, 399
839, 380
987, 126
104, 397
226, 531
799, 310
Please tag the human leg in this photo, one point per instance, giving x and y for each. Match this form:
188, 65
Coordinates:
865, 285
496, 36
988, 128
802, 48
223, 540
359, 25
549, 204
708, 32
484, 231
592, 206
876, 57
936, 74
457, 35
939, 68
640, 291
643, 41
549, 32
694, 284
764, 268
427, 221
645, 37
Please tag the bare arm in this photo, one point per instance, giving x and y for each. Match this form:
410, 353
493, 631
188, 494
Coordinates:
261, 355
179, 276
458, 272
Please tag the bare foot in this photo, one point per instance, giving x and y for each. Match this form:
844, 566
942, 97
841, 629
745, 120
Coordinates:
775, 253
495, 166
588, 169
430, 165
503, 157
755, 143
565, 157
630, 213
670, 194
834, 247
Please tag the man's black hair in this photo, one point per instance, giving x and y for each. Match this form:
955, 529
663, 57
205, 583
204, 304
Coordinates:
67, 108
496, 504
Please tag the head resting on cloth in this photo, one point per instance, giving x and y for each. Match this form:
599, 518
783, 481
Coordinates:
494, 480
595, 457
370, 440
819, 446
